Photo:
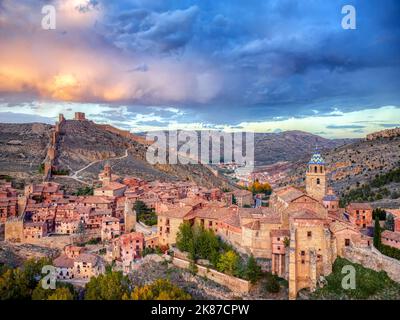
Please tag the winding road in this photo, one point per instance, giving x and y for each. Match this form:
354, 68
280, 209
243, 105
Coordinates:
76, 174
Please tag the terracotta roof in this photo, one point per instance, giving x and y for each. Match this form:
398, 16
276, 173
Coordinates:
280, 233
177, 212
391, 235
88, 258
211, 212
232, 220
242, 193
95, 199
289, 193
305, 214
51, 187
192, 201
110, 219
254, 225
250, 212
63, 262
359, 206
125, 239
73, 248
113, 186
271, 217
338, 226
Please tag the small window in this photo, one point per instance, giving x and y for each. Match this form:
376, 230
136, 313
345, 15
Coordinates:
318, 181
303, 253
346, 242
303, 261
309, 234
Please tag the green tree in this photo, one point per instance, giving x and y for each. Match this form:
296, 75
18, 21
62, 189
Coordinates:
140, 207
184, 237
161, 289
109, 286
234, 201
253, 270
41, 168
380, 213
62, 293
144, 213
85, 191
14, 285
377, 233
389, 223
272, 283
39, 293
228, 262
207, 244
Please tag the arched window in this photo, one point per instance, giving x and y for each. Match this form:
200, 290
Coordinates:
320, 168
318, 182
315, 169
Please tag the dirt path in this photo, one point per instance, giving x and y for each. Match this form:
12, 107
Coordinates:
76, 174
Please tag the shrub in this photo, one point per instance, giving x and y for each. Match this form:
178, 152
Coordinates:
272, 283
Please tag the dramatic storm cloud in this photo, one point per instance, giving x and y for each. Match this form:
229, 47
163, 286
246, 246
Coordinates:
260, 65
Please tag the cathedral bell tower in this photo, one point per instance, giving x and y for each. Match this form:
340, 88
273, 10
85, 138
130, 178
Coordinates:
316, 184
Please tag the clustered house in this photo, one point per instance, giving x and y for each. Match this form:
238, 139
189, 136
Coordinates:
301, 232
75, 263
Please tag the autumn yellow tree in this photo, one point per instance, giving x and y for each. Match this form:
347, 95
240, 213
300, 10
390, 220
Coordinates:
257, 187
160, 289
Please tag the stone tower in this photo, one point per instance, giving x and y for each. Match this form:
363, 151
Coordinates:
316, 184
107, 174
129, 216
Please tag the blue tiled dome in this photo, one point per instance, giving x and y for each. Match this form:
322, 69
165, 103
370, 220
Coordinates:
316, 159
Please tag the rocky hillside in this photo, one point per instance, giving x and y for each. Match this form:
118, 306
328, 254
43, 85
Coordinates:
83, 148
358, 164
23, 148
290, 146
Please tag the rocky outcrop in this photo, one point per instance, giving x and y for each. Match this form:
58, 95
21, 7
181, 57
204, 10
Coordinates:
388, 133
23, 148
355, 164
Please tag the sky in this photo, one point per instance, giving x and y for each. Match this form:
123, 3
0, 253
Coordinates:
254, 65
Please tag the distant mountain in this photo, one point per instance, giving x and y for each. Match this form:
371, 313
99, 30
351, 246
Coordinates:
291, 146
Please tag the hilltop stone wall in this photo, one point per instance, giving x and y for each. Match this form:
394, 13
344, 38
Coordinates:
373, 259
235, 284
